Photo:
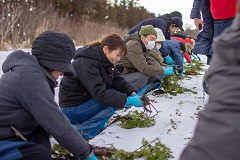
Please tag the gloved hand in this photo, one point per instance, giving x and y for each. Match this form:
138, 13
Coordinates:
169, 60
93, 157
181, 74
168, 70
134, 100
135, 94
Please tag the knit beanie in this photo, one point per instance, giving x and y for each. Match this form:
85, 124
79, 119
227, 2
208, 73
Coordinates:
147, 30
160, 36
55, 51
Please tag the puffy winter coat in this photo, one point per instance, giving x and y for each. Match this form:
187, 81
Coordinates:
173, 49
96, 78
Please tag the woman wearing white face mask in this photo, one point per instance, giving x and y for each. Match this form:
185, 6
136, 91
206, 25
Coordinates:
135, 65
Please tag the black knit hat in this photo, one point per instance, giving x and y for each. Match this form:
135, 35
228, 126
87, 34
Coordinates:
54, 51
182, 47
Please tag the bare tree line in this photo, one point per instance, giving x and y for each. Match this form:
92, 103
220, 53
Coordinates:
84, 20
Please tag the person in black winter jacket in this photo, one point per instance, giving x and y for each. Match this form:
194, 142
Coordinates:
91, 98
29, 114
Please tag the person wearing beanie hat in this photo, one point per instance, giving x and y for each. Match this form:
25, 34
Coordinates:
154, 57
29, 112
56, 56
135, 65
147, 30
167, 26
160, 36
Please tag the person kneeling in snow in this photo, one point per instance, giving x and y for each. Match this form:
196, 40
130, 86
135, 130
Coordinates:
135, 67
29, 114
90, 99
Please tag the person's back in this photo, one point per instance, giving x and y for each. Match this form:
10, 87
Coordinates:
155, 22
170, 15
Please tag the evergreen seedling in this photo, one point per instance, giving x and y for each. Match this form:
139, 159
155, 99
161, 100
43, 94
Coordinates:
136, 119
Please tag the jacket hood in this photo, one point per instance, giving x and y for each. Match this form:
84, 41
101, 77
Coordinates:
129, 37
17, 59
95, 53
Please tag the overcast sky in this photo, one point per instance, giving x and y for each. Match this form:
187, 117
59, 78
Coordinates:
167, 6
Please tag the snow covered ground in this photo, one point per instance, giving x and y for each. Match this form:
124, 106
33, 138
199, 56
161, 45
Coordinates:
174, 124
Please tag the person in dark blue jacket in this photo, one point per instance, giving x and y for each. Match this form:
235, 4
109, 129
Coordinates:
174, 50
167, 26
205, 37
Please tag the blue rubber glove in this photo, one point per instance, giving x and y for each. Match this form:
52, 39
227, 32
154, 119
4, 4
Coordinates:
169, 60
168, 70
181, 74
134, 101
93, 157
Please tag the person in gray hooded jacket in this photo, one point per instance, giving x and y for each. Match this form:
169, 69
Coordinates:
28, 112
217, 134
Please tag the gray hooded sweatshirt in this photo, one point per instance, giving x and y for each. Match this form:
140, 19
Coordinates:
217, 134
27, 102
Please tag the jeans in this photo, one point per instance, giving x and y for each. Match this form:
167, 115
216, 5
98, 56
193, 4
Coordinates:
148, 87
220, 26
89, 118
15, 150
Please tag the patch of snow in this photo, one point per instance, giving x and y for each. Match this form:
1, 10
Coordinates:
175, 122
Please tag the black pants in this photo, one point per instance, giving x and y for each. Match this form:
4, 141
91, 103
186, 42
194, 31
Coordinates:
31, 151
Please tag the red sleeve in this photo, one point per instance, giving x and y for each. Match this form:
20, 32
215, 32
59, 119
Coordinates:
187, 57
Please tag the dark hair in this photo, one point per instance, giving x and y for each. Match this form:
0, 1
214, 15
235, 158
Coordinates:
182, 47
113, 42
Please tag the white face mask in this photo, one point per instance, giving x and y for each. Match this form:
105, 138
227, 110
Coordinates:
158, 46
150, 45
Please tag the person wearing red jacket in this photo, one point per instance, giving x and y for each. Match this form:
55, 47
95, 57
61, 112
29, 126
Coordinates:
223, 13
217, 16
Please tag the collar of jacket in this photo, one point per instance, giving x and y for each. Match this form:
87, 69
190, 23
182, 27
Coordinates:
103, 59
52, 82
105, 62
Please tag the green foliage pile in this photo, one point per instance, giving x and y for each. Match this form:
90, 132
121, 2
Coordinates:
153, 150
60, 153
193, 69
170, 85
136, 119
